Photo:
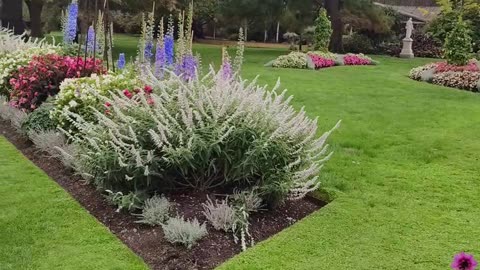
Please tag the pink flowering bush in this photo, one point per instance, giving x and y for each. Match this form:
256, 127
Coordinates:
321, 62
41, 78
356, 60
472, 66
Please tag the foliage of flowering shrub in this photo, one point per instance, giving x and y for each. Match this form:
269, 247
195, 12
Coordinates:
472, 66
465, 80
466, 77
357, 60
199, 134
292, 60
41, 78
11, 62
80, 95
322, 60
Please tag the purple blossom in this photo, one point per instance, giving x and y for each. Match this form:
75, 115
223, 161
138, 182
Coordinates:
169, 49
70, 27
187, 67
91, 39
160, 60
121, 61
463, 261
227, 72
148, 54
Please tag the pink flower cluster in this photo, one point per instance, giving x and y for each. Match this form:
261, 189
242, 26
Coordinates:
355, 60
147, 91
41, 78
445, 67
321, 62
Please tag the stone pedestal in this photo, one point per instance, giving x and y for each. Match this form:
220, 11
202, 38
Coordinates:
407, 51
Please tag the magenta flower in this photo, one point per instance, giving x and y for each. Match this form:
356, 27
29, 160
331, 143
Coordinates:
463, 261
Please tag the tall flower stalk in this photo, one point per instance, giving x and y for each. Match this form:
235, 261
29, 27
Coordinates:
91, 40
70, 23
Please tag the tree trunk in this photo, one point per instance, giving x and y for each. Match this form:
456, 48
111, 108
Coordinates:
265, 36
277, 39
333, 10
11, 15
35, 8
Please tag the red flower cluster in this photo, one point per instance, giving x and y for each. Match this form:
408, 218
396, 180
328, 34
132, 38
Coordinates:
355, 60
147, 90
41, 78
445, 67
321, 62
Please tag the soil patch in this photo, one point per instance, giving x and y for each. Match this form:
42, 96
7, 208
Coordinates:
148, 242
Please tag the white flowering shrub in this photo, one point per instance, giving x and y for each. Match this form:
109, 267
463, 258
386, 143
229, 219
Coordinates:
79, 95
185, 232
291, 60
9, 42
203, 134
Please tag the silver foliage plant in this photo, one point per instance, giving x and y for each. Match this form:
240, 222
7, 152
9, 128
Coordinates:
186, 232
220, 214
205, 133
48, 141
156, 211
9, 42
8, 113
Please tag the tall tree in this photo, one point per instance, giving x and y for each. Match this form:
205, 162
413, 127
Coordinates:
333, 8
35, 8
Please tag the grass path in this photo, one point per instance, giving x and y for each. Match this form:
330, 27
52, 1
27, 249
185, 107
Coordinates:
42, 227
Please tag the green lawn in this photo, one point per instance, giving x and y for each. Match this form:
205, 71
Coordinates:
42, 227
405, 178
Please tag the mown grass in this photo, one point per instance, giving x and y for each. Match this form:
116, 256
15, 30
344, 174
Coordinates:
404, 178
42, 227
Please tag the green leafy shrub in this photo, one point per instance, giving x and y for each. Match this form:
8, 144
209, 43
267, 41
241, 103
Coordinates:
358, 43
39, 120
446, 22
323, 31
291, 60
458, 44
185, 232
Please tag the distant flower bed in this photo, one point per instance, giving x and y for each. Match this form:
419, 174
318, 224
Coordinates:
319, 60
466, 77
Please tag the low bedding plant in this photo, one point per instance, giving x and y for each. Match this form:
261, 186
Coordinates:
158, 125
460, 70
319, 60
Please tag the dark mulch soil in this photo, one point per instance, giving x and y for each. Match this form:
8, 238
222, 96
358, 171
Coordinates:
148, 242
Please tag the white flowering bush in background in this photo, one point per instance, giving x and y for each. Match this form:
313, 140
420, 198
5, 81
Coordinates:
9, 42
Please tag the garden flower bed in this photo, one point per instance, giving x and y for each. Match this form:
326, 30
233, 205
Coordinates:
188, 169
319, 60
466, 77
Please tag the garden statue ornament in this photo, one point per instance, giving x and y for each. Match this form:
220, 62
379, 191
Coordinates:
407, 51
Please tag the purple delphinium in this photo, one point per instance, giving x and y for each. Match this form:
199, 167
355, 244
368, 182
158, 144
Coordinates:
463, 261
187, 67
121, 61
169, 49
160, 60
70, 31
91, 39
148, 54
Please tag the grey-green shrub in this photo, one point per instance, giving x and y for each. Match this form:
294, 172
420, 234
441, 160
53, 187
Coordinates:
48, 141
131, 201
156, 211
184, 232
203, 134
220, 214
15, 116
